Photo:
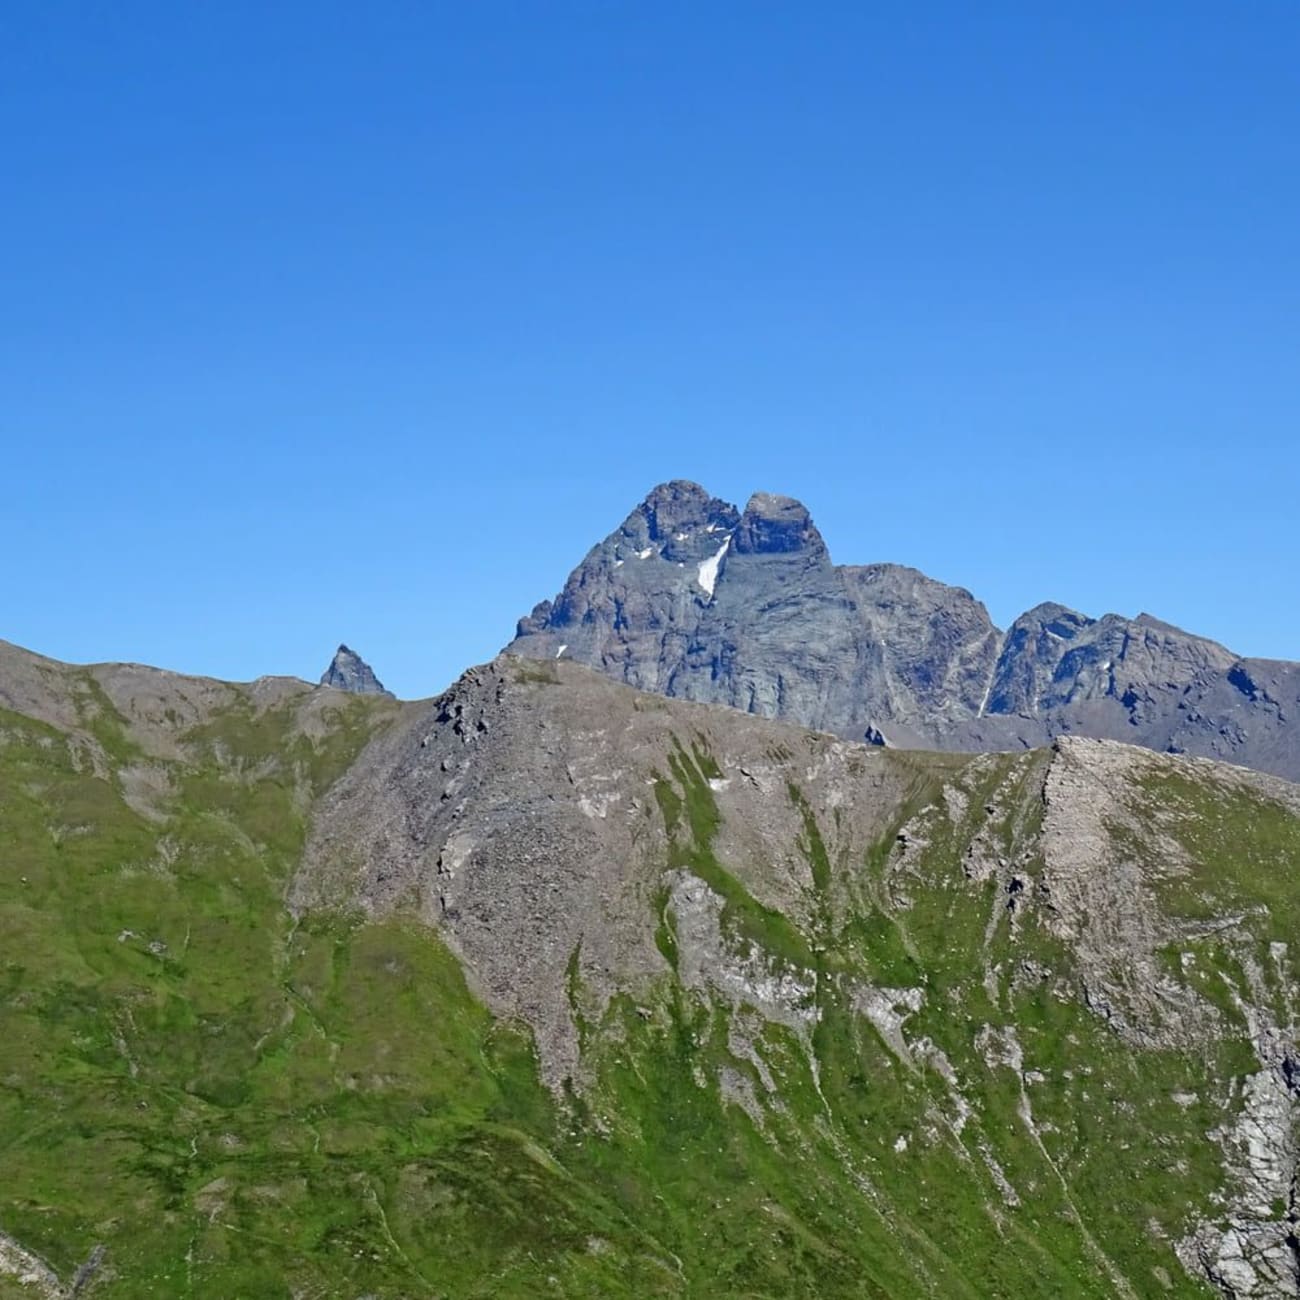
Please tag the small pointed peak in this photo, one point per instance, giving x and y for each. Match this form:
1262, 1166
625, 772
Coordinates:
775, 524
348, 671
1060, 619
1049, 609
1158, 624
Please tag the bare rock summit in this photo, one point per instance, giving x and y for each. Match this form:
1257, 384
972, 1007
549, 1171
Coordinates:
348, 671
697, 600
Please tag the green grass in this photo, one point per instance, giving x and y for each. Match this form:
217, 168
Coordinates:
236, 1105
241, 1105
1244, 851
692, 820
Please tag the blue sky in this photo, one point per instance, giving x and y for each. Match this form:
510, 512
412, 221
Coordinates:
334, 322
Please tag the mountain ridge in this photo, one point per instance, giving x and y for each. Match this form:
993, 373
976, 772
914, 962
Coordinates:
695, 599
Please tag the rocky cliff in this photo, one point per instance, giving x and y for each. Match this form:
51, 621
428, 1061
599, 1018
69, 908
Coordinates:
696, 600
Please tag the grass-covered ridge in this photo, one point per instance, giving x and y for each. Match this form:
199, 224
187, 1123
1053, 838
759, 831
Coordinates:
235, 1103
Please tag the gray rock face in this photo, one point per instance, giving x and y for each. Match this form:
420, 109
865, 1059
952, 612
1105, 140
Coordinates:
747, 609
348, 671
522, 803
696, 600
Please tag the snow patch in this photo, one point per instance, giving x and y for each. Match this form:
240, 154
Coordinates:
646, 554
708, 578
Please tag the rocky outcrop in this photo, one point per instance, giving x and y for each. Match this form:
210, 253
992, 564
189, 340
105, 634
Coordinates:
34, 1278
694, 599
1254, 1249
28, 1271
523, 803
1085, 918
348, 671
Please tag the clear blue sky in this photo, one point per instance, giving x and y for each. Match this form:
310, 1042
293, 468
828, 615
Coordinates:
352, 322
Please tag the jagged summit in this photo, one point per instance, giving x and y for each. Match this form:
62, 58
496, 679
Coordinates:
348, 671
695, 599
676, 506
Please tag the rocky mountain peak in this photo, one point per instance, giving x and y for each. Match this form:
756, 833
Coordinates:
1154, 624
348, 671
694, 599
774, 525
675, 508
1056, 618
681, 505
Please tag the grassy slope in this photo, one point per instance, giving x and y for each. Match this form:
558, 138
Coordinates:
239, 1107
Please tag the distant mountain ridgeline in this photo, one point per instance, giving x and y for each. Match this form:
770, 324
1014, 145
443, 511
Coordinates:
697, 600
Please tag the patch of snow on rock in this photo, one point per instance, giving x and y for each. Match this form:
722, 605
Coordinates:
709, 568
